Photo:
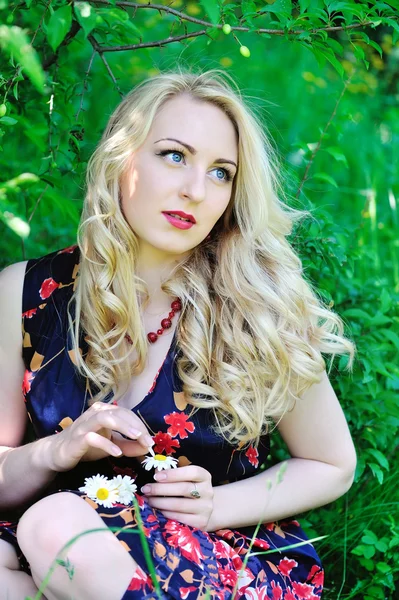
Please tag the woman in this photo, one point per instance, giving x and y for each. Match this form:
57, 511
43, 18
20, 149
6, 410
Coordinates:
181, 212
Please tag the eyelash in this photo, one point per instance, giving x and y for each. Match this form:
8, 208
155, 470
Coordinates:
229, 174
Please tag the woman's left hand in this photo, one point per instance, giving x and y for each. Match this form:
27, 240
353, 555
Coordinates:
179, 505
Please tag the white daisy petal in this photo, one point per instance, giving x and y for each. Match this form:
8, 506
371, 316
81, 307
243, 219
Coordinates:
126, 488
100, 489
160, 462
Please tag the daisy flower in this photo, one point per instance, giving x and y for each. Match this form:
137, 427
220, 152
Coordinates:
126, 488
100, 489
159, 461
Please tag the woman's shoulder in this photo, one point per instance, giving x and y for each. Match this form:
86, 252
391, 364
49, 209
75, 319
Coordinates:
49, 274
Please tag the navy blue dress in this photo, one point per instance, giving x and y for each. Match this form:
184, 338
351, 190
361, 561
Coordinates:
187, 560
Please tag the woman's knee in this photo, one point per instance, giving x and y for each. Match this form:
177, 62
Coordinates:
8, 556
45, 526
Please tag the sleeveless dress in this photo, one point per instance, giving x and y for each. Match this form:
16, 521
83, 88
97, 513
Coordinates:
189, 563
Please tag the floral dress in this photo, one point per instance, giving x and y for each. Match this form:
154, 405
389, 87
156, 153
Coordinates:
189, 563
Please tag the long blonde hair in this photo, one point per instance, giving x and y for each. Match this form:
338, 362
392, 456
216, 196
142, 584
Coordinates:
251, 332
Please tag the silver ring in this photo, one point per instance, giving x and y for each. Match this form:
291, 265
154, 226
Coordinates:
195, 493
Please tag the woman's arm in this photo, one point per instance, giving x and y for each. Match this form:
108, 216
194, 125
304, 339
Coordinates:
23, 471
26, 470
321, 468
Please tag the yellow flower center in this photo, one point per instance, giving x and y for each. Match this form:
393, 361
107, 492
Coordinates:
102, 493
160, 457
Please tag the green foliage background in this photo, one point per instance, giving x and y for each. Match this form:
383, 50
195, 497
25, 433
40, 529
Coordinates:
324, 75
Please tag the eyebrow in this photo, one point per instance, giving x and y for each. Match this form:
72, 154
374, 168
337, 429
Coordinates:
194, 151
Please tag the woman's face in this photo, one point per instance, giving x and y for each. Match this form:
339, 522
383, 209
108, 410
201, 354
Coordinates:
187, 163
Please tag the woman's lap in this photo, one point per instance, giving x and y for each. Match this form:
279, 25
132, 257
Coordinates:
187, 561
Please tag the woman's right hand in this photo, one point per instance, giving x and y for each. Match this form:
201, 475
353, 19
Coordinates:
96, 434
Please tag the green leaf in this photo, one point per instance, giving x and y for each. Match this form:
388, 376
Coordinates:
391, 336
16, 224
337, 154
325, 177
8, 121
368, 551
212, 9
357, 313
381, 459
279, 7
383, 567
377, 472
15, 43
86, 16
58, 26
381, 546
386, 301
304, 5
369, 537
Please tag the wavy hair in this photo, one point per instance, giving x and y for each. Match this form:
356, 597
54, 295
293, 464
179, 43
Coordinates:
260, 331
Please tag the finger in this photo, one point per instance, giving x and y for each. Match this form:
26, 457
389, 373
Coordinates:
173, 489
145, 441
94, 440
189, 473
116, 422
190, 520
183, 505
130, 448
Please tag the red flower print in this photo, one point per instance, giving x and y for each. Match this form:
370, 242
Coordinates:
228, 577
316, 576
245, 577
261, 544
256, 593
303, 590
185, 591
152, 519
48, 287
164, 443
68, 250
29, 313
277, 591
288, 595
26, 384
179, 425
286, 565
221, 549
180, 536
252, 455
140, 580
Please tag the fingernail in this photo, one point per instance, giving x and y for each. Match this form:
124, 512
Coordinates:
135, 432
160, 476
146, 489
147, 439
116, 450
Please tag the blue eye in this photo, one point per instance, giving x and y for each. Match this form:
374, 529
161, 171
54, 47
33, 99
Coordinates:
226, 174
173, 153
176, 154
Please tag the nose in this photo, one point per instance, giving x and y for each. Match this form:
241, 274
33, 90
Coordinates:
194, 185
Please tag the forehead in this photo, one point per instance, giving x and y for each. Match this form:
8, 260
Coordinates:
195, 122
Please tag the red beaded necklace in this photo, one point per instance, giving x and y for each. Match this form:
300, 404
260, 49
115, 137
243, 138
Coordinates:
165, 323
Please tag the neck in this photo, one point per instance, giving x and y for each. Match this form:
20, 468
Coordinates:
153, 268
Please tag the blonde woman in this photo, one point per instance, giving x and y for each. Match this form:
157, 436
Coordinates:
179, 326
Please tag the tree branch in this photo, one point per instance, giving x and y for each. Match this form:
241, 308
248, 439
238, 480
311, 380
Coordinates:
168, 40
85, 84
315, 151
97, 48
185, 17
